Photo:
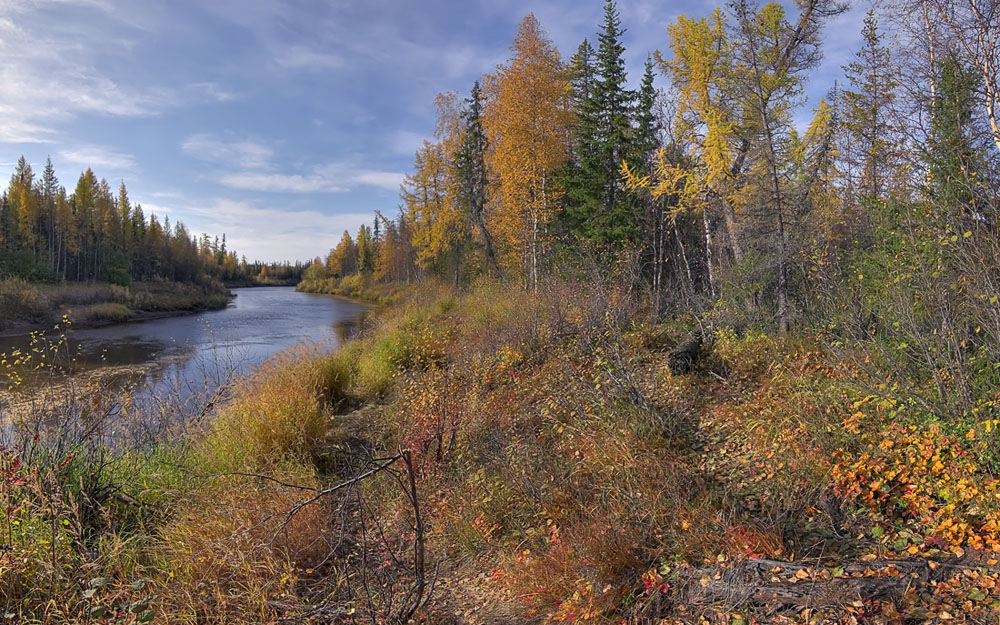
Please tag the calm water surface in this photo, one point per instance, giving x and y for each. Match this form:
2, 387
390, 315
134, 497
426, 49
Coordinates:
194, 350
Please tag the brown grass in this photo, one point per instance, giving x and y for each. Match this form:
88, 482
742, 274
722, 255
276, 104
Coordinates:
231, 549
21, 301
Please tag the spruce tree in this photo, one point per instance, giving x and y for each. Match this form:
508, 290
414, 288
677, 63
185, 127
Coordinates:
50, 186
582, 74
955, 163
645, 140
644, 145
366, 258
6, 225
873, 82
471, 165
598, 207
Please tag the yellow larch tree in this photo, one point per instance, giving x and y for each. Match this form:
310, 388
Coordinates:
440, 229
452, 228
705, 128
424, 195
702, 72
527, 121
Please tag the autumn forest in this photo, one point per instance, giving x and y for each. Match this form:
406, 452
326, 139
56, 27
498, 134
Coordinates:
678, 343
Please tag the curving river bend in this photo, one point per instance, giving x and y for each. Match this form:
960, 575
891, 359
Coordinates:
192, 351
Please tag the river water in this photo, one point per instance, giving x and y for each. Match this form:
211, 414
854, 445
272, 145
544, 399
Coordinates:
192, 351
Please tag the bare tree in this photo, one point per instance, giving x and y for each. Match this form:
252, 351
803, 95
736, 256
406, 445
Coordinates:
973, 26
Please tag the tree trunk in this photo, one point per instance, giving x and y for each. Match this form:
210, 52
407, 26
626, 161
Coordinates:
708, 251
680, 244
491, 255
534, 252
731, 230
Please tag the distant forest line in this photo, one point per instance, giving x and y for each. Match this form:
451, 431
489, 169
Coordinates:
92, 234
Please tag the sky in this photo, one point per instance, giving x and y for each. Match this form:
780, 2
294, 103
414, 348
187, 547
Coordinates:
280, 123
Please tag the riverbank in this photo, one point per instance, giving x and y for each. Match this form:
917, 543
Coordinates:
359, 287
562, 471
27, 307
250, 284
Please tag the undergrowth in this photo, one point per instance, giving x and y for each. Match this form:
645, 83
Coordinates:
553, 448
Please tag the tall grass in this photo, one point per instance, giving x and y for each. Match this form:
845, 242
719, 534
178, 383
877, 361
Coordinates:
20, 300
97, 526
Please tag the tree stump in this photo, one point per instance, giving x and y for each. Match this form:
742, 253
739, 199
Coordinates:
682, 357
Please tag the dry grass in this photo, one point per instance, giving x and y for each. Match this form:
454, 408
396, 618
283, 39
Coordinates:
231, 548
282, 412
360, 287
21, 301
106, 312
554, 449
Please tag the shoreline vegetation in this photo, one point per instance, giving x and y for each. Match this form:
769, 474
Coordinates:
359, 287
564, 473
26, 307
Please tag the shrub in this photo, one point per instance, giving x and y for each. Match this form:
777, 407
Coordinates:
24, 265
340, 373
21, 301
281, 413
106, 312
231, 549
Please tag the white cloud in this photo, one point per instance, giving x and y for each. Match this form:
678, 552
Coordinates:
384, 179
212, 91
99, 157
249, 166
15, 129
264, 233
159, 210
281, 183
102, 5
325, 179
300, 57
242, 154
55, 70
406, 142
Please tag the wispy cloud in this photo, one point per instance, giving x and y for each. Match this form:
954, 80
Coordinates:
244, 154
248, 165
149, 208
383, 179
281, 183
406, 142
211, 91
102, 5
264, 233
57, 64
14, 128
301, 57
323, 179
99, 157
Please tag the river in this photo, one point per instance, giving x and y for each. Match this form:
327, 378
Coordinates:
191, 351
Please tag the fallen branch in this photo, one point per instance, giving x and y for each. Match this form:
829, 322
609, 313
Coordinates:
775, 583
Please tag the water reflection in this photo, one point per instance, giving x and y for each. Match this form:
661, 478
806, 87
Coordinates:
188, 356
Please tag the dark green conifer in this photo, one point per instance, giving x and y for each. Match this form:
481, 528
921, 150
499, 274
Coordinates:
598, 208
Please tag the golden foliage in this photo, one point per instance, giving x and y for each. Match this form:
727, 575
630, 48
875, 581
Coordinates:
527, 120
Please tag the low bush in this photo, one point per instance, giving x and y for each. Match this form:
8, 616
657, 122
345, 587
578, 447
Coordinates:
21, 301
108, 312
280, 413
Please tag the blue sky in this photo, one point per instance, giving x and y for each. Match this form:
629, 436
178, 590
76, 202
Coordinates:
280, 122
